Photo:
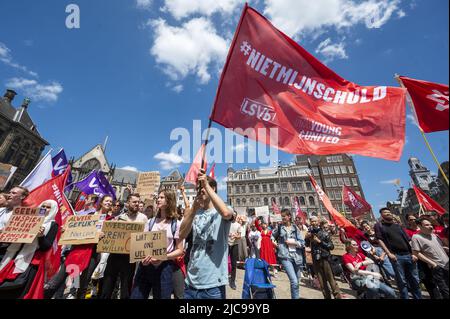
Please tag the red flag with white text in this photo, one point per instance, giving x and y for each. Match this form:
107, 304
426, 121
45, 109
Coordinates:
430, 101
51, 190
274, 91
299, 212
427, 202
356, 203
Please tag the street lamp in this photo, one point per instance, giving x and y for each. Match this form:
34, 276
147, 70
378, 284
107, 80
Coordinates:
278, 165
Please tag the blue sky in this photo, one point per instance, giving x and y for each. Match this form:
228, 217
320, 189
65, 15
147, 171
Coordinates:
137, 69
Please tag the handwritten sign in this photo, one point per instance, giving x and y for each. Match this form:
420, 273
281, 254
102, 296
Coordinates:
274, 218
262, 211
148, 244
339, 248
242, 211
117, 236
23, 226
80, 230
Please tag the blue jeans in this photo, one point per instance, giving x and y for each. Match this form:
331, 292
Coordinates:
407, 274
293, 271
211, 293
373, 292
156, 279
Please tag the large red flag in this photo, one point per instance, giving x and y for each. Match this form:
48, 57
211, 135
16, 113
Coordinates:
192, 174
427, 202
430, 101
269, 82
356, 203
212, 172
54, 190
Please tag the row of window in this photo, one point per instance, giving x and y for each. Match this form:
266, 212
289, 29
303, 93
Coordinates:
334, 159
341, 181
286, 201
337, 194
284, 172
337, 169
264, 188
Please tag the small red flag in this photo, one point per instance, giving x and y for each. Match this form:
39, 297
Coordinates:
430, 101
356, 203
275, 207
299, 212
212, 172
427, 202
192, 174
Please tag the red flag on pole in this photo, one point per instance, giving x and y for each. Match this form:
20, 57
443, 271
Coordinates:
212, 172
192, 174
269, 82
356, 203
275, 207
50, 190
299, 212
427, 202
430, 101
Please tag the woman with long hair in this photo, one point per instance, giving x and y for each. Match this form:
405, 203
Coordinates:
86, 256
153, 274
289, 241
267, 250
23, 267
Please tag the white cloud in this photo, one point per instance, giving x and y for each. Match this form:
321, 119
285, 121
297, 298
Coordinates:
130, 168
221, 183
6, 57
300, 17
168, 161
183, 8
144, 4
331, 51
401, 14
194, 48
241, 147
412, 119
391, 181
178, 88
36, 91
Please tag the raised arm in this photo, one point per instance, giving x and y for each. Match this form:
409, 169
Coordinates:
218, 203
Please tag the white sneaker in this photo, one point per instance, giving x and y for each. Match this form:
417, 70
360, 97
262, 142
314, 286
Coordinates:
70, 296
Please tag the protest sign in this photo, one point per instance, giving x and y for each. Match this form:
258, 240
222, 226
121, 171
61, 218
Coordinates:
275, 218
23, 226
242, 211
148, 244
262, 211
79, 230
117, 236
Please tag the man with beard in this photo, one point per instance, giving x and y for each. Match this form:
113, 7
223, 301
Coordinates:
395, 242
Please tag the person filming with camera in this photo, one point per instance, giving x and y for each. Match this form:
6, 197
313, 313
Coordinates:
319, 240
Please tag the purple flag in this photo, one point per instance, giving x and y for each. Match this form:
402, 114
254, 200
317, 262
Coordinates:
97, 184
60, 164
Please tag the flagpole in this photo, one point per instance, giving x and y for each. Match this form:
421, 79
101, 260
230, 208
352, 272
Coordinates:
342, 198
413, 109
68, 202
37, 165
206, 143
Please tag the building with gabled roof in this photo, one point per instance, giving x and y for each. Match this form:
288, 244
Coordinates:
21, 144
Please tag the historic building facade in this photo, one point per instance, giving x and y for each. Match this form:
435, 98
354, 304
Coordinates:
21, 144
434, 186
251, 188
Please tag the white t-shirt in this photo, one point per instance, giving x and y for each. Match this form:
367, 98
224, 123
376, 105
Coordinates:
140, 218
158, 226
235, 228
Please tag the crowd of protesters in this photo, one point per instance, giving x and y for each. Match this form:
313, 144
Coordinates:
206, 241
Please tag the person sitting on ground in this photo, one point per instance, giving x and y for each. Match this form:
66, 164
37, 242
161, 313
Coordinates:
356, 267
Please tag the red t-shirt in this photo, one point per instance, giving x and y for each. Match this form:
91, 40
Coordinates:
412, 232
350, 259
439, 231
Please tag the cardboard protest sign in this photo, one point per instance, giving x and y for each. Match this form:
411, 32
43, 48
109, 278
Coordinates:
262, 211
80, 230
339, 247
242, 211
148, 244
23, 226
117, 236
275, 218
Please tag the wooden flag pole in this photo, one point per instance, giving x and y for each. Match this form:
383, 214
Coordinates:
411, 104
